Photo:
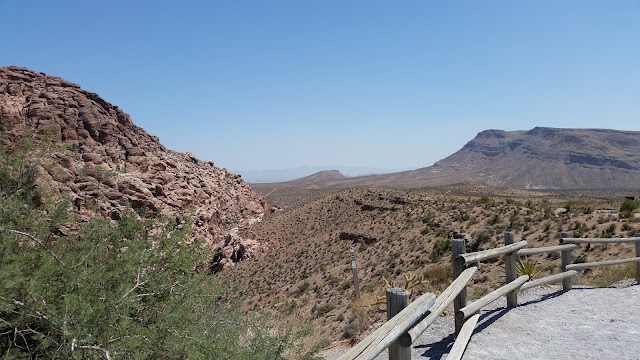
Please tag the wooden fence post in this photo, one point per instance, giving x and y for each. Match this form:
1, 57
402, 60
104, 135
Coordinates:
397, 300
457, 248
510, 269
637, 255
566, 260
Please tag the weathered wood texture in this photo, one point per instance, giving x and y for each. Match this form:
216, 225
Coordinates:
510, 269
475, 306
569, 240
445, 299
548, 279
471, 258
637, 264
458, 248
391, 330
566, 260
460, 345
546, 249
584, 266
398, 300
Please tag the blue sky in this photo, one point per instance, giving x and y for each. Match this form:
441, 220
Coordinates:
255, 85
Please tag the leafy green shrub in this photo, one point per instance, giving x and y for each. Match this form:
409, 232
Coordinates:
628, 206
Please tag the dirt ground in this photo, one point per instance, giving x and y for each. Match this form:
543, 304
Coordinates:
583, 323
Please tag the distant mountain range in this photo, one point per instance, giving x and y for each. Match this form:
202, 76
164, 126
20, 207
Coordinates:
279, 175
541, 158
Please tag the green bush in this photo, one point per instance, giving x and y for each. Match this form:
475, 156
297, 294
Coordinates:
346, 284
628, 206
119, 290
440, 248
303, 287
481, 238
324, 309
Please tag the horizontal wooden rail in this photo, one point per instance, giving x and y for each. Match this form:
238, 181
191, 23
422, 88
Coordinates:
548, 279
391, 330
546, 249
474, 257
475, 306
584, 266
445, 299
460, 345
598, 241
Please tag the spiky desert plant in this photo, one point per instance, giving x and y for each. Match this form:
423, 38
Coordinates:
529, 267
410, 283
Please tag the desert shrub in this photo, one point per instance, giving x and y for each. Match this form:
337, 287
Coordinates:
481, 238
122, 290
611, 274
628, 206
439, 275
495, 219
346, 284
425, 230
324, 309
440, 248
303, 287
351, 330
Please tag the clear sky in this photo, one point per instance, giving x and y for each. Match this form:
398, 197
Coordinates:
255, 85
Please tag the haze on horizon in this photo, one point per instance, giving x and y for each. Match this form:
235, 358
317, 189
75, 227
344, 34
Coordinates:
365, 84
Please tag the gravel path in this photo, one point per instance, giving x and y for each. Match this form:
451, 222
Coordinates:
584, 323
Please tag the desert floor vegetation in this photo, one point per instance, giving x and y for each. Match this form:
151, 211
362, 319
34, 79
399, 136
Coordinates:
400, 233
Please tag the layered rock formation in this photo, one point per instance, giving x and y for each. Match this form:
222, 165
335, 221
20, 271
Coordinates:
541, 158
98, 158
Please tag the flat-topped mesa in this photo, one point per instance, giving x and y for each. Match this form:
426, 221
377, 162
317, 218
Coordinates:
540, 158
101, 160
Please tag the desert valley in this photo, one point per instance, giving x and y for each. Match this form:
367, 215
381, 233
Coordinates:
280, 249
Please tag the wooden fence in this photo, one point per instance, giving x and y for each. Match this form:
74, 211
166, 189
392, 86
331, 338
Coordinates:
406, 322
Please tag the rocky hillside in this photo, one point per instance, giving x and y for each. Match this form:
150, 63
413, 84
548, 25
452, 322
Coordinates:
541, 158
400, 232
93, 154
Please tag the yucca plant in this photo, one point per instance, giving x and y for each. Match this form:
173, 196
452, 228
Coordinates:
529, 267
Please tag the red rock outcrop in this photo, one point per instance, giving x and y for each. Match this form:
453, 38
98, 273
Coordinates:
102, 161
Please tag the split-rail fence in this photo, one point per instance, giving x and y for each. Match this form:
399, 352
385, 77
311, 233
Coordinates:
407, 321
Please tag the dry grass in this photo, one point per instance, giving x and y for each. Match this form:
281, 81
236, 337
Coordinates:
395, 232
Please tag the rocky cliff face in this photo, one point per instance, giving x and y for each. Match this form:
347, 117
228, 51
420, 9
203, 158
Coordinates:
549, 158
102, 161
